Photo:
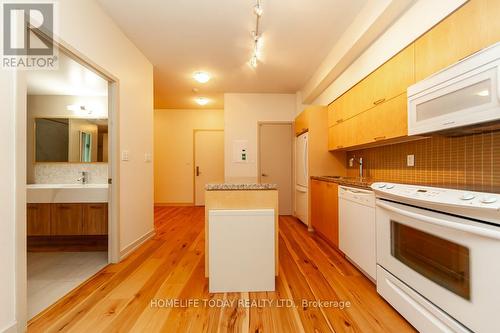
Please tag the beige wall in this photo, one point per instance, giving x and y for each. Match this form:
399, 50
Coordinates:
242, 113
103, 44
173, 150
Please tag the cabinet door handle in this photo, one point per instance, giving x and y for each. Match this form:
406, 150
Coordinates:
197, 171
340, 120
377, 102
64, 207
378, 138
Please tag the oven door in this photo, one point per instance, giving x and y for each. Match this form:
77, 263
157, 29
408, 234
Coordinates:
452, 262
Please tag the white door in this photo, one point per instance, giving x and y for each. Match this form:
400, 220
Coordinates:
209, 161
301, 160
275, 156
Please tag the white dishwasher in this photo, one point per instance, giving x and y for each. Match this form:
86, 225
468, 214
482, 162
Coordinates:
357, 228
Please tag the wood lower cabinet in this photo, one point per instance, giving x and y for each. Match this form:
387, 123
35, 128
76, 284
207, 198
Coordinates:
38, 219
325, 210
67, 219
95, 219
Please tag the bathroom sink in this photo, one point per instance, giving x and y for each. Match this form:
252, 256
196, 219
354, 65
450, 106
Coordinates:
66, 193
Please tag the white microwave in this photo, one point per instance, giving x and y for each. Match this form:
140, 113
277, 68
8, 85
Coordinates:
466, 93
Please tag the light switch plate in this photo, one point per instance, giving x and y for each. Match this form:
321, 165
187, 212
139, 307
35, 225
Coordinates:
147, 157
410, 160
125, 156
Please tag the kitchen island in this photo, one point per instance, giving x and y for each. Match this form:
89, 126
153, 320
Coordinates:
248, 238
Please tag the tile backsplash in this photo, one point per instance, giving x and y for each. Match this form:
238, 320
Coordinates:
68, 173
469, 162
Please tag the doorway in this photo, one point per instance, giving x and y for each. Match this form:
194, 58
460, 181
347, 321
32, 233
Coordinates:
208, 161
275, 160
68, 239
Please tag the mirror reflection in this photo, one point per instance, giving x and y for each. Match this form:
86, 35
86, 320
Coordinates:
77, 140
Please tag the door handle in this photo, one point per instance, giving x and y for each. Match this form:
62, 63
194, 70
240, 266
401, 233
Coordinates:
198, 171
264, 175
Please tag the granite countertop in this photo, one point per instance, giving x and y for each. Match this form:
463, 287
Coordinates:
363, 183
240, 187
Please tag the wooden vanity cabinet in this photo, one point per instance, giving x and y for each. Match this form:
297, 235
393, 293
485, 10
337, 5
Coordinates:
95, 219
38, 219
67, 219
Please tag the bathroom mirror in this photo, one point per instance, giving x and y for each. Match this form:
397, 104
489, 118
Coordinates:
75, 140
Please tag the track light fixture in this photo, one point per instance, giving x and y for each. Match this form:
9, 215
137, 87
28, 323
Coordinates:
257, 40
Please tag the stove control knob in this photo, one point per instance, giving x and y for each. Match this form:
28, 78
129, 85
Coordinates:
381, 185
488, 200
389, 186
467, 196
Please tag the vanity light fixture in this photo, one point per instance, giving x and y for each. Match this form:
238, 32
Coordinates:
483, 93
79, 109
202, 100
201, 77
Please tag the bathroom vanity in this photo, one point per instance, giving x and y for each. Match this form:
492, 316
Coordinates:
58, 213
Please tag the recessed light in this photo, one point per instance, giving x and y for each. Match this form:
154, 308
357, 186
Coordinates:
202, 100
201, 77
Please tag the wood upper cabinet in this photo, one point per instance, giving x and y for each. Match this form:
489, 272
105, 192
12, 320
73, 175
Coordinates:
95, 219
472, 27
38, 219
66, 219
301, 123
325, 210
388, 81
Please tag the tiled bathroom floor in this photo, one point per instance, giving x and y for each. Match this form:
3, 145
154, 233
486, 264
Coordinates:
51, 275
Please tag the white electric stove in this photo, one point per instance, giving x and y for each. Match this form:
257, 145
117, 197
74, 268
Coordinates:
438, 256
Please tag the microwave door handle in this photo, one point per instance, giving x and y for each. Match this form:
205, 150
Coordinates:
452, 225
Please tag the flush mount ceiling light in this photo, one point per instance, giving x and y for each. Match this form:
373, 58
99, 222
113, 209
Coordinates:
257, 40
202, 100
201, 77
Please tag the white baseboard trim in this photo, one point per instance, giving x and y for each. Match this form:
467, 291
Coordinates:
12, 328
135, 244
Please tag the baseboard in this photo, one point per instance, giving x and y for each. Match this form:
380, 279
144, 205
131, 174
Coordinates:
173, 204
12, 328
135, 244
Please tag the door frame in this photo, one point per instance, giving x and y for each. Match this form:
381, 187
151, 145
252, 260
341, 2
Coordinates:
21, 167
292, 137
196, 130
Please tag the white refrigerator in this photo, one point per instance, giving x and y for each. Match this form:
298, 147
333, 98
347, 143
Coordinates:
301, 178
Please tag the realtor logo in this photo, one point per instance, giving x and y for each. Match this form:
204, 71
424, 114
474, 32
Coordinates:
27, 36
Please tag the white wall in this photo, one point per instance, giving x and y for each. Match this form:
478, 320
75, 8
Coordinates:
242, 112
103, 44
419, 18
8, 203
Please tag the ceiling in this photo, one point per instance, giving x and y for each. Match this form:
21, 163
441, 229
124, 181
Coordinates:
70, 78
184, 36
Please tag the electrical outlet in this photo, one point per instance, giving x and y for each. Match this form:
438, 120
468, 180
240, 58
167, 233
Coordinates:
410, 160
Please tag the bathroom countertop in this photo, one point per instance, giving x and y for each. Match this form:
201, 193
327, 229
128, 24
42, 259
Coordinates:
240, 187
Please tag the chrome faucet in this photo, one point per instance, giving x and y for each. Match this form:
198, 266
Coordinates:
360, 162
84, 178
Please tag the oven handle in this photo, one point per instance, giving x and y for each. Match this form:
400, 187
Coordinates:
452, 225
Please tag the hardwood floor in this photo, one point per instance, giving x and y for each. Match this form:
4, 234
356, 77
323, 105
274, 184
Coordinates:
131, 296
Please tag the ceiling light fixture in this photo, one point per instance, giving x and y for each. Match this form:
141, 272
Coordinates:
257, 39
202, 100
201, 77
